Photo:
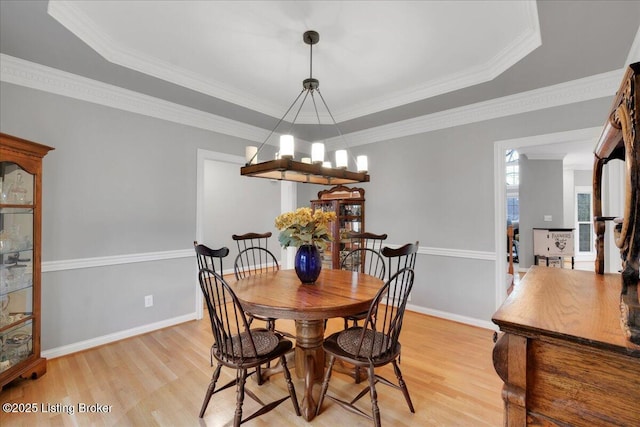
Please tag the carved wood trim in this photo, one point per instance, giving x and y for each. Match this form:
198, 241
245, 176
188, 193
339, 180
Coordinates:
619, 140
342, 191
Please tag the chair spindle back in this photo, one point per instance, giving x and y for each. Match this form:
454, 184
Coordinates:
381, 330
228, 321
365, 260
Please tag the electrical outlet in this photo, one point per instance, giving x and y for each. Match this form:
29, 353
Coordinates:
148, 301
548, 218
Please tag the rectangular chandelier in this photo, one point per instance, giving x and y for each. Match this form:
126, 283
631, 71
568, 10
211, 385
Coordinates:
314, 169
287, 169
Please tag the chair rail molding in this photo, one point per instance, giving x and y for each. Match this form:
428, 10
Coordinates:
448, 252
73, 264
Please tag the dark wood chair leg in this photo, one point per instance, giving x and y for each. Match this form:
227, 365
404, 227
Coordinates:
292, 390
403, 386
212, 386
325, 384
375, 410
242, 378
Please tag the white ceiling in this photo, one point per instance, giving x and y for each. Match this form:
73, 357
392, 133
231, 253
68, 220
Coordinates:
371, 56
387, 69
575, 155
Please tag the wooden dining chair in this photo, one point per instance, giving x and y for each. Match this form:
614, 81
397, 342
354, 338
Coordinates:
211, 259
368, 261
363, 260
239, 347
254, 258
364, 256
373, 345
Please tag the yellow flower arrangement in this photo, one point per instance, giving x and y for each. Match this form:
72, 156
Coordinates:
305, 227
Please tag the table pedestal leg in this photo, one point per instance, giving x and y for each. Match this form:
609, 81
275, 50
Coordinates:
309, 361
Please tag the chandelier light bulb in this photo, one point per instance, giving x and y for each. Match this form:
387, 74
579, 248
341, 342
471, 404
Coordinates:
342, 161
362, 163
317, 152
251, 154
286, 146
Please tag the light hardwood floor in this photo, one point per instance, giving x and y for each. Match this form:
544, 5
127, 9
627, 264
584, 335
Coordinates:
159, 379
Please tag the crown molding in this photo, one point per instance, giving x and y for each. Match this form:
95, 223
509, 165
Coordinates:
28, 74
35, 76
544, 156
529, 40
585, 89
634, 52
68, 14
75, 20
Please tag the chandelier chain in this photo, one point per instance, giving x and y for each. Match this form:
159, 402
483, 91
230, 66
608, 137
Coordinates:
335, 124
293, 122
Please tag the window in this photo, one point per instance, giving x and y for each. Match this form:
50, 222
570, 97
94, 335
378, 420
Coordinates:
513, 170
513, 209
513, 182
584, 225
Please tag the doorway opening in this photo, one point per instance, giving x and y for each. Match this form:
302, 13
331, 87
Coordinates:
586, 137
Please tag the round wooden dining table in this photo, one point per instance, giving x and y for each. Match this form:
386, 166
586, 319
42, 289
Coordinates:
281, 295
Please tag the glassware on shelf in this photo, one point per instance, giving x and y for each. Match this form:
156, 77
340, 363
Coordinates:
18, 192
4, 309
7, 241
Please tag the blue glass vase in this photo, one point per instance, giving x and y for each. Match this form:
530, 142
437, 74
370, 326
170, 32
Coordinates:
308, 263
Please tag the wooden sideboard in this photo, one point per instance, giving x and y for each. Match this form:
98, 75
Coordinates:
563, 355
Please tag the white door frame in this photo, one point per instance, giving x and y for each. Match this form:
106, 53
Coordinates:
499, 186
288, 200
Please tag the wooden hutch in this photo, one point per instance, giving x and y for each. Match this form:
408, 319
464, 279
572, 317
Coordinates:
569, 353
20, 236
348, 204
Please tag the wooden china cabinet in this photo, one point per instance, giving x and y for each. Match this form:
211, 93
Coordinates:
348, 204
20, 236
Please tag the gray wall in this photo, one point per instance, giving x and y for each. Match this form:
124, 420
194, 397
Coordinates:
583, 178
235, 204
541, 194
120, 183
117, 184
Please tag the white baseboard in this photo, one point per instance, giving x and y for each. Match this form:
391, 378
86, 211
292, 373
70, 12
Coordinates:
454, 317
116, 336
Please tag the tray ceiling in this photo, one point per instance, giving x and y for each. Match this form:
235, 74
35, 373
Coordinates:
251, 54
387, 69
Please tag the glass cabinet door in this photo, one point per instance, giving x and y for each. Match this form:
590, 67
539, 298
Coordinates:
16, 264
327, 254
